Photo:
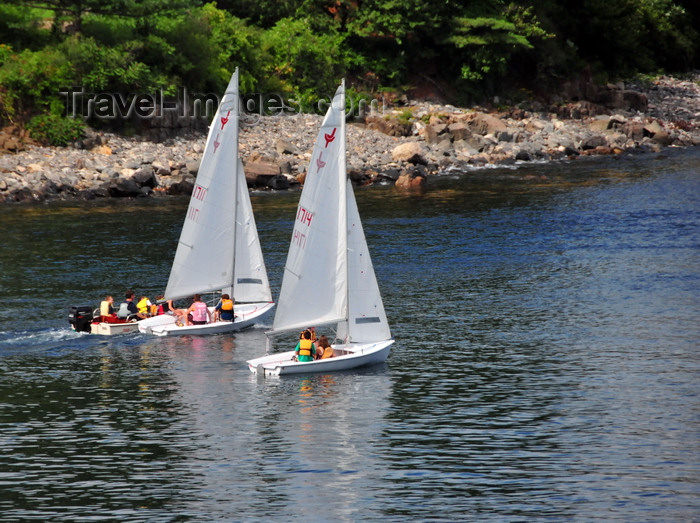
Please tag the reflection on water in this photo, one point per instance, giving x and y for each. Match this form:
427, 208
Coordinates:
545, 366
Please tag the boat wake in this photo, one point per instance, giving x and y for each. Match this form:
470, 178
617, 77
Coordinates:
21, 342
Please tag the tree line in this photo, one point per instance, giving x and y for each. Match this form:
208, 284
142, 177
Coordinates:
467, 50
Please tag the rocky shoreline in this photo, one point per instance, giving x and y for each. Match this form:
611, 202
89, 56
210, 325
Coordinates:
403, 145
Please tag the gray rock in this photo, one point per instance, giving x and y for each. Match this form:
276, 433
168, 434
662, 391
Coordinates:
145, 177
286, 147
592, 142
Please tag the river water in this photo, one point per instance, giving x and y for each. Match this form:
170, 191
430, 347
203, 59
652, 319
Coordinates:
546, 364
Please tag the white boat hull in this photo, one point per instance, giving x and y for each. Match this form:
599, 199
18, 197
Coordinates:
345, 358
246, 316
109, 329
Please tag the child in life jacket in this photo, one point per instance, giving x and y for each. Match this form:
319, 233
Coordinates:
198, 313
305, 349
224, 309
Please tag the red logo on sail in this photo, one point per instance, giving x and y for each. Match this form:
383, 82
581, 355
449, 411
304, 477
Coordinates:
320, 163
216, 142
224, 120
330, 137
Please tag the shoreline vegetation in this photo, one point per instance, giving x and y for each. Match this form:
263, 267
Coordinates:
405, 144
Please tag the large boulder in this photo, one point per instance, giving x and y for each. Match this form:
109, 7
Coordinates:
286, 147
181, 185
633, 130
434, 133
411, 182
658, 134
145, 177
389, 126
483, 124
410, 152
261, 172
124, 187
593, 141
459, 131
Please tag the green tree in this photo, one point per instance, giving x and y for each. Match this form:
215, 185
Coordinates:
301, 61
76, 10
618, 39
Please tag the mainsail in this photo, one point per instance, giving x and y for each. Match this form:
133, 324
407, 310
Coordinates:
212, 237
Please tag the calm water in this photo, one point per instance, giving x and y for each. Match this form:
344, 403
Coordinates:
546, 364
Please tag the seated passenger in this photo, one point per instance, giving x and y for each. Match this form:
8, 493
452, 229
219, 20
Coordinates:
180, 314
324, 349
198, 311
224, 309
107, 307
305, 349
163, 307
167, 307
145, 306
127, 309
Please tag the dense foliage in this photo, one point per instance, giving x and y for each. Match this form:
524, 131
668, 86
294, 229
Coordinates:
465, 50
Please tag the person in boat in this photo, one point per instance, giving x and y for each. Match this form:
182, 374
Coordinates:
198, 312
305, 349
167, 307
163, 307
107, 306
323, 348
127, 308
224, 309
144, 306
180, 314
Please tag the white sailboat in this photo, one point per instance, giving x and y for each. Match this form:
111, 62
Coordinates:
219, 249
329, 279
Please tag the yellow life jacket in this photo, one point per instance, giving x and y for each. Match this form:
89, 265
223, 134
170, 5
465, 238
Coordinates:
142, 305
305, 347
226, 305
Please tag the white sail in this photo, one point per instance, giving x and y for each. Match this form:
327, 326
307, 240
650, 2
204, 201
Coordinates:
219, 225
314, 284
329, 277
366, 317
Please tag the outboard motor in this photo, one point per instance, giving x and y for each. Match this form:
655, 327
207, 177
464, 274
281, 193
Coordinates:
80, 318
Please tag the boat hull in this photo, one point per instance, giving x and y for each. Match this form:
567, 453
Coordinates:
246, 316
109, 329
345, 358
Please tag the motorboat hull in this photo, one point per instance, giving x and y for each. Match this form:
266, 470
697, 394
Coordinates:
108, 329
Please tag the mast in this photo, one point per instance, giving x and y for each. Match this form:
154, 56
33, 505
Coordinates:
236, 117
344, 187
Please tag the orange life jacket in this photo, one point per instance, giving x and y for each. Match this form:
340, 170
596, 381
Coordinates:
226, 305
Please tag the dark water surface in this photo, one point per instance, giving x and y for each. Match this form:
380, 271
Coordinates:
546, 365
